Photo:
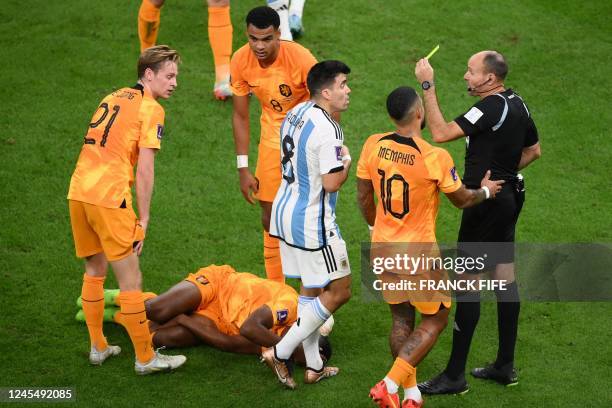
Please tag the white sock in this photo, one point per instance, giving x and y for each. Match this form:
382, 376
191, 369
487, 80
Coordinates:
311, 351
303, 301
311, 343
391, 385
413, 393
282, 8
296, 8
310, 318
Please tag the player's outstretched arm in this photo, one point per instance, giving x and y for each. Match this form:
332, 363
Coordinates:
205, 330
441, 131
145, 176
365, 200
465, 197
240, 123
257, 327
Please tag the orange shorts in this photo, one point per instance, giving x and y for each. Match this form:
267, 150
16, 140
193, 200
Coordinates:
404, 285
96, 229
425, 301
268, 172
209, 304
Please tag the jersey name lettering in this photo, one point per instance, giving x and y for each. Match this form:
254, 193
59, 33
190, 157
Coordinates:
395, 156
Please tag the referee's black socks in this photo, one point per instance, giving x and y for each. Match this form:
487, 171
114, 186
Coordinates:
508, 308
466, 319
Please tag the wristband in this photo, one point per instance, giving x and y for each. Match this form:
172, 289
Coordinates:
487, 192
242, 160
346, 157
370, 227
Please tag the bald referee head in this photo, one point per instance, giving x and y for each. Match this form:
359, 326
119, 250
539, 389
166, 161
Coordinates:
486, 71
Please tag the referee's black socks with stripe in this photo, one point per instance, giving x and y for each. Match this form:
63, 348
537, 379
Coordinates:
466, 319
508, 308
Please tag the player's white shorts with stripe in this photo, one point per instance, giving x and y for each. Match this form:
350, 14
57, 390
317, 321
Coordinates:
316, 268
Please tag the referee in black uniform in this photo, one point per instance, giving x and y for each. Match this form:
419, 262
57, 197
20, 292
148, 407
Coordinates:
500, 136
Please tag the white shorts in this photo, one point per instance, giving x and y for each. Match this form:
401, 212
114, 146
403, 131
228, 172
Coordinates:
316, 268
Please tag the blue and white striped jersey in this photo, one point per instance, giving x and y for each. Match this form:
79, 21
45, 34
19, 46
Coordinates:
303, 214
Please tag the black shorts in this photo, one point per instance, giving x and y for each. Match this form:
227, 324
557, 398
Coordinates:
494, 221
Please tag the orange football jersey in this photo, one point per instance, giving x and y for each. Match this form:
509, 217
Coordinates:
126, 120
407, 174
278, 87
240, 294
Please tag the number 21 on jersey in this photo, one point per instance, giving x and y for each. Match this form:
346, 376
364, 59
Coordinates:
105, 111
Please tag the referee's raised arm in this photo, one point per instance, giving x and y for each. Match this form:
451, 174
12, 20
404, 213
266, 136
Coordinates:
441, 131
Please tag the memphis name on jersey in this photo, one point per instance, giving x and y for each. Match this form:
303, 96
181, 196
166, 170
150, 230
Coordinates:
303, 214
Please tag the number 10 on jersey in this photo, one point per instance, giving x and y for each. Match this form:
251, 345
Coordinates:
386, 190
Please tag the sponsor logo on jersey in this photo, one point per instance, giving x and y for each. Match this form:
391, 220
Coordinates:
285, 90
453, 172
160, 132
281, 315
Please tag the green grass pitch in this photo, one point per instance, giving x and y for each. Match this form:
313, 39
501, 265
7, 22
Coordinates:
61, 58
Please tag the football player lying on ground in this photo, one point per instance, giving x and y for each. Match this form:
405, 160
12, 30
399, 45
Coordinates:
219, 307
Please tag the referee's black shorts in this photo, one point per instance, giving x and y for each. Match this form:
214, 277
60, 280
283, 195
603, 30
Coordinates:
494, 221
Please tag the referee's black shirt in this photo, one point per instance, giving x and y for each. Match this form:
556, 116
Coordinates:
497, 129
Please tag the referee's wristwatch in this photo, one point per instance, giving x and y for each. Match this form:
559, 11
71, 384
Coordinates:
426, 85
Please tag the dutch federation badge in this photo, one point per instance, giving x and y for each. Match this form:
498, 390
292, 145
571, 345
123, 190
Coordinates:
160, 132
281, 315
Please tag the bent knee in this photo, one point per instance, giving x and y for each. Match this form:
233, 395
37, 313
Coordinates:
440, 319
156, 312
342, 296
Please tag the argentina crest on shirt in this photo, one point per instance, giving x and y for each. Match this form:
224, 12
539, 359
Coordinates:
303, 214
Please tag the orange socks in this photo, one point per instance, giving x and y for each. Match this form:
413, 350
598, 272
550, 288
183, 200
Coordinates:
148, 24
134, 319
402, 373
411, 380
272, 260
92, 295
220, 36
145, 296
